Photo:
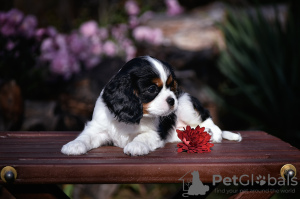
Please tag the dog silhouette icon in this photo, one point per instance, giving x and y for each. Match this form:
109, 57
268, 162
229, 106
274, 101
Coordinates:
197, 187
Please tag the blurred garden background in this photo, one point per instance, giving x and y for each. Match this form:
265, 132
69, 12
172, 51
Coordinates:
240, 58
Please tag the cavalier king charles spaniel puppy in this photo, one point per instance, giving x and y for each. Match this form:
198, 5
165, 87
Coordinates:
140, 109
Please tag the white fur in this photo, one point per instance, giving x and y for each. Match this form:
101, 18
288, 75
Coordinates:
159, 106
231, 136
162, 73
142, 138
104, 128
217, 134
187, 115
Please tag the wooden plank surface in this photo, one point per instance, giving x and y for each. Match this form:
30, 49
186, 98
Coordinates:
36, 157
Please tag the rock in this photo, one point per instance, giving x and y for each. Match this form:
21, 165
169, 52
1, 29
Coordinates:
11, 106
193, 31
40, 116
76, 102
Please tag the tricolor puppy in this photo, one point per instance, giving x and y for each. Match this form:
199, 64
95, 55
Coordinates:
140, 109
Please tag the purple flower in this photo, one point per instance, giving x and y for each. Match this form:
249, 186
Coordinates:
10, 45
126, 43
133, 21
76, 45
109, 48
3, 17
96, 49
92, 61
103, 33
51, 31
9, 22
89, 28
14, 17
130, 52
132, 8
7, 29
60, 41
146, 16
64, 64
119, 32
129, 48
42, 33
173, 7
93, 45
156, 37
28, 26
147, 34
141, 33
48, 50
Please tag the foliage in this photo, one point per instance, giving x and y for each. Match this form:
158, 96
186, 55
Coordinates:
28, 53
262, 64
19, 48
146, 191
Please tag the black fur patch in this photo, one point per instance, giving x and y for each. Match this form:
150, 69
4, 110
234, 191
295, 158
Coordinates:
204, 113
119, 95
166, 123
128, 90
120, 100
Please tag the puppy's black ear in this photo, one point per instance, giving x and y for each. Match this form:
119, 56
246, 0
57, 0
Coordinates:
121, 101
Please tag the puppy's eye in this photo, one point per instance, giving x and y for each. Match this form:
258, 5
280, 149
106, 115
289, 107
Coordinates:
152, 89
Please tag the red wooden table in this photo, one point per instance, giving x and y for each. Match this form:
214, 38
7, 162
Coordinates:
37, 160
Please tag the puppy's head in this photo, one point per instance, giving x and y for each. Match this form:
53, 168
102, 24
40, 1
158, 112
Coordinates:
144, 87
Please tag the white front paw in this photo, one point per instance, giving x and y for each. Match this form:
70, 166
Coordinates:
136, 148
216, 134
216, 138
74, 147
232, 136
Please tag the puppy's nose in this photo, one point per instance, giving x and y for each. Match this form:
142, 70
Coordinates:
170, 101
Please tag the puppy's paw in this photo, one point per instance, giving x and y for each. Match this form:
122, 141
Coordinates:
215, 133
136, 148
74, 147
232, 136
216, 138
